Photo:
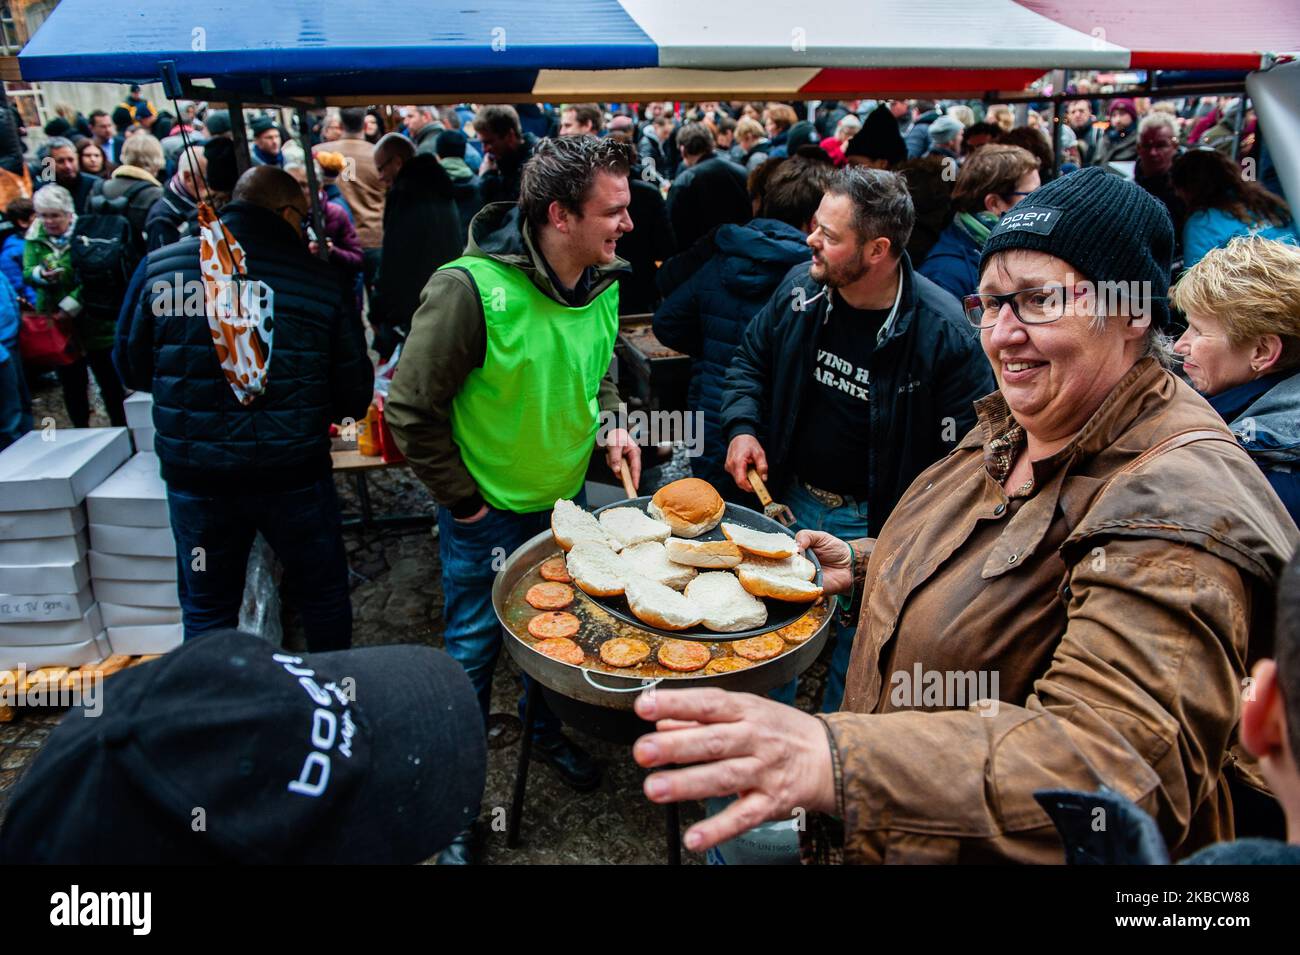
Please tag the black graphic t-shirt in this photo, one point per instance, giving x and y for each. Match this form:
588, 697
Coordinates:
833, 432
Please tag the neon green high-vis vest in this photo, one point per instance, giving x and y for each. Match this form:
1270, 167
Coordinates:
526, 421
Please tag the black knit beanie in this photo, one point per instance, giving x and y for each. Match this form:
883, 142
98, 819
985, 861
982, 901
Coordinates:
1110, 229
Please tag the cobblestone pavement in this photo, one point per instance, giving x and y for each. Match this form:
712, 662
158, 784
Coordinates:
397, 598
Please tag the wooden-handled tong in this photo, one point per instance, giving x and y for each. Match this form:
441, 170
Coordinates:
626, 475
777, 512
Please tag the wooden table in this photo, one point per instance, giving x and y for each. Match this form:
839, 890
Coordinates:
353, 462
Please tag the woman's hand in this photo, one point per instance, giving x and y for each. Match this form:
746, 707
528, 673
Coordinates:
836, 558
776, 758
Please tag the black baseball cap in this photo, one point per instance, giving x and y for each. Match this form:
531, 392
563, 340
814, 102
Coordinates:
230, 750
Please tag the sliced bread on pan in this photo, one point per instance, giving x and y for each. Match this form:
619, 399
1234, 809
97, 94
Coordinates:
650, 560
764, 583
631, 526
796, 566
596, 569
727, 606
717, 555
662, 606
570, 524
776, 546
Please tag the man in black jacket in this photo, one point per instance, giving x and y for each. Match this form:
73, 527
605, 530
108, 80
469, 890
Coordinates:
710, 191
422, 231
61, 166
506, 148
174, 215
857, 375
234, 469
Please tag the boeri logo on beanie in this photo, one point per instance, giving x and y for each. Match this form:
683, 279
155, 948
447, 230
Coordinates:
1040, 220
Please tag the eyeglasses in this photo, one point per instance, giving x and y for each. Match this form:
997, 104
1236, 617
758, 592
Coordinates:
1032, 306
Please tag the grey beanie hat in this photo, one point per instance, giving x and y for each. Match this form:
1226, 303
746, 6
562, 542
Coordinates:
944, 130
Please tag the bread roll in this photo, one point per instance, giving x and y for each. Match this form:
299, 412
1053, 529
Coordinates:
571, 524
596, 569
650, 560
631, 526
776, 546
662, 606
727, 606
797, 566
764, 583
691, 507
716, 555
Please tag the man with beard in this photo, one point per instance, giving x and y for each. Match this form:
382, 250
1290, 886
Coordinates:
857, 375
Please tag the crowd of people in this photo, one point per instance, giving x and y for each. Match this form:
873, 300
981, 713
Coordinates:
895, 316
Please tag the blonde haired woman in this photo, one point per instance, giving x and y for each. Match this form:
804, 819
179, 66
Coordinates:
1241, 350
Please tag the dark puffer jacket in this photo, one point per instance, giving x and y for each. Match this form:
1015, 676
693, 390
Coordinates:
206, 441
713, 291
925, 375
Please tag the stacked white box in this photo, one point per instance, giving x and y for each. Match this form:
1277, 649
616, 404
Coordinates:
48, 615
133, 558
139, 418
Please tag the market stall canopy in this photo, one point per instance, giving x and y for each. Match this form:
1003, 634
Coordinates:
371, 51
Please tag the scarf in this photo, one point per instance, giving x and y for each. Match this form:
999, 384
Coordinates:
239, 310
976, 227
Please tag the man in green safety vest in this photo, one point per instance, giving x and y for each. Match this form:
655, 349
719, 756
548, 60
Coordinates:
499, 393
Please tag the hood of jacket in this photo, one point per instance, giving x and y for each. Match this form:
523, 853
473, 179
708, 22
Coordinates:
136, 173
1268, 426
499, 233
456, 168
754, 251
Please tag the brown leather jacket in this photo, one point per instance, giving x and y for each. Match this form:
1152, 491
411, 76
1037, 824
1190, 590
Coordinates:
1101, 624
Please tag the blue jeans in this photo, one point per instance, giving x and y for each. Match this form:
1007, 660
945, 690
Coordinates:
303, 527
471, 556
847, 522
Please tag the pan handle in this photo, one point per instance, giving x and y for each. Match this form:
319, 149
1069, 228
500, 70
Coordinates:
586, 675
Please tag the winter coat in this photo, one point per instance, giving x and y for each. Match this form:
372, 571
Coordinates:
954, 262
174, 216
1208, 229
1099, 630
714, 290
926, 371
11, 265
206, 440
1116, 145
1264, 414
92, 332
502, 183
138, 188
422, 231
466, 190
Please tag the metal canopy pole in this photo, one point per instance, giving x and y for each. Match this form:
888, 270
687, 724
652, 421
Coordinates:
1238, 126
240, 135
309, 161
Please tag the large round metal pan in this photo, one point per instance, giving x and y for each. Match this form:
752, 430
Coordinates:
780, 613
615, 690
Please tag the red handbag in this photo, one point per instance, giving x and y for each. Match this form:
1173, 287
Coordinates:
46, 342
